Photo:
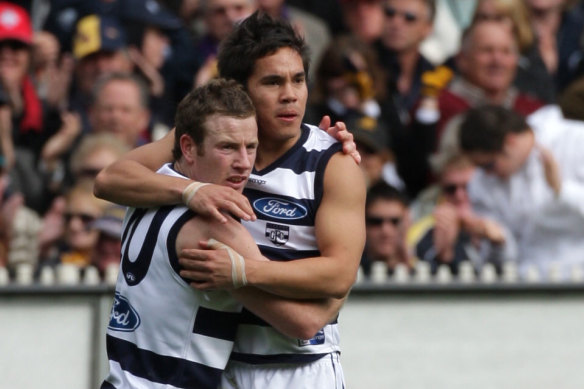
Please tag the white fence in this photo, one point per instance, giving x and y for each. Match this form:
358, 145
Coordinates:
432, 334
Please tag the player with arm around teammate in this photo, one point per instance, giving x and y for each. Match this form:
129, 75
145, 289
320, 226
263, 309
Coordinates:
309, 200
162, 331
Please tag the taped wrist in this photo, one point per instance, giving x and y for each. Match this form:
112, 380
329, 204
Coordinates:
190, 191
237, 263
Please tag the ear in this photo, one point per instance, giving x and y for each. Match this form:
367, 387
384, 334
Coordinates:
188, 148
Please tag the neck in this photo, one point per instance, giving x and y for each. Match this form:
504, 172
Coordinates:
272, 149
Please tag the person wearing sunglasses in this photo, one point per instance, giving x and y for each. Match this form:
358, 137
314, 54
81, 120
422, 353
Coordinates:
407, 24
77, 238
386, 225
530, 180
446, 229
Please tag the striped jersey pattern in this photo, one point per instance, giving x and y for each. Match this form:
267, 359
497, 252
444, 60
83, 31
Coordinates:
162, 332
285, 197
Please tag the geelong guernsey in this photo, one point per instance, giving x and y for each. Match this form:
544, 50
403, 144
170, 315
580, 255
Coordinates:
285, 197
162, 332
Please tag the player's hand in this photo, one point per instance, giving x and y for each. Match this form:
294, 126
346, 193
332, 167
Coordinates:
339, 132
210, 200
207, 269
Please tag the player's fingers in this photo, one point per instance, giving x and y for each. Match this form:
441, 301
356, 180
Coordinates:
325, 123
240, 208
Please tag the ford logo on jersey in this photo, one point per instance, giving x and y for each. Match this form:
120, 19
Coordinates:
123, 316
279, 209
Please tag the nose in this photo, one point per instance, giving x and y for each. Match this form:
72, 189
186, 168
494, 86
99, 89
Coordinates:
288, 93
243, 160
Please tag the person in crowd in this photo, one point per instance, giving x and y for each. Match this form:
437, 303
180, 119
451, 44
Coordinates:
120, 108
487, 64
349, 82
530, 181
446, 230
153, 36
377, 159
99, 47
219, 17
77, 239
274, 75
33, 121
387, 221
532, 77
93, 154
407, 24
558, 30
363, 19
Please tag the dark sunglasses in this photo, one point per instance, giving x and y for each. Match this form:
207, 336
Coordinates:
374, 221
85, 217
450, 189
409, 17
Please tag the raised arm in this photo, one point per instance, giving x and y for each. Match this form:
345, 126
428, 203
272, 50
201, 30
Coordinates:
295, 318
133, 181
340, 235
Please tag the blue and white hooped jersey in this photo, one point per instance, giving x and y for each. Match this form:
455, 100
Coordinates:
285, 197
162, 332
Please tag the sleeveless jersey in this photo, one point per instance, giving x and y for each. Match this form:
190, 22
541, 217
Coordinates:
285, 197
162, 332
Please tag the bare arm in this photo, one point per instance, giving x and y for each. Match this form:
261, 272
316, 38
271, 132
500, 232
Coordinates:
340, 234
295, 318
132, 181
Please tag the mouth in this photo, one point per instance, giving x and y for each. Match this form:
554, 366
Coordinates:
237, 181
287, 116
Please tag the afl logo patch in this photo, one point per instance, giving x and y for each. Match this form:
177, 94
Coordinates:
123, 316
277, 233
279, 209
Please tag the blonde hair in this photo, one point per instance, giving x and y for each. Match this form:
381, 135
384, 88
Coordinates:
93, 142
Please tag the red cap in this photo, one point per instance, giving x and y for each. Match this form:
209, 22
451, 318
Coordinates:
15, 23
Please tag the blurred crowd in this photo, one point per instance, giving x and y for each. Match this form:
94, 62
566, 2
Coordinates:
468, 116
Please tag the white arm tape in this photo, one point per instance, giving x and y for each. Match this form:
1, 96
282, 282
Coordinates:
189, 192
237, 263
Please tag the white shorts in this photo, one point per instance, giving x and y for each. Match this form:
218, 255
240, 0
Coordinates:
325, 373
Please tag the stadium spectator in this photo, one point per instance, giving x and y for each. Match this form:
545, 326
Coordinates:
219, 17
407, 24
387, 221
94, 152
530, 181
532, 77
349, 81
99, 48
363, 19
32, 121
120, 108
372, 140
558, 29
446, 230
77, 239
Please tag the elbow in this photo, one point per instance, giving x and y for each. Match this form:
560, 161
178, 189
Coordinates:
307, 329
342, 287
